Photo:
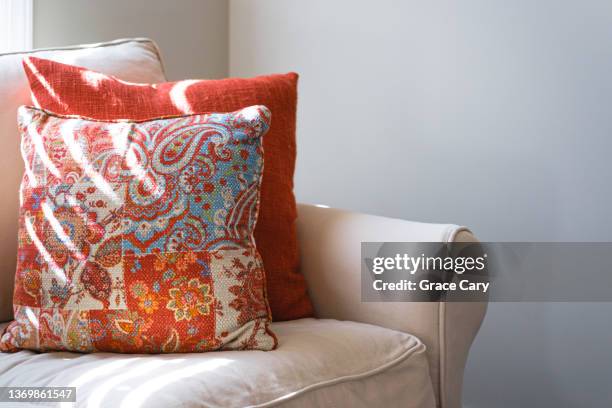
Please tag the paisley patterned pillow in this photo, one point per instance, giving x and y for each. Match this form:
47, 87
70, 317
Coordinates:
137, 237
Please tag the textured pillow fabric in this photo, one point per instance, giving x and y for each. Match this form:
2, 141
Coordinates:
69, 90
131, 60
138, 237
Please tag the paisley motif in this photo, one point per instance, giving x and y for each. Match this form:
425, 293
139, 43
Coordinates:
109, 252
138, 237
97, 281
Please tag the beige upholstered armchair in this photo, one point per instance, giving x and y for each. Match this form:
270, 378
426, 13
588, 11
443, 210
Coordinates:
351, 354
330, 249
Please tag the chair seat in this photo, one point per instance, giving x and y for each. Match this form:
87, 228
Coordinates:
317, 363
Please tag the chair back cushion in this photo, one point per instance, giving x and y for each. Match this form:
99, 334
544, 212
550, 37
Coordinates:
135, 60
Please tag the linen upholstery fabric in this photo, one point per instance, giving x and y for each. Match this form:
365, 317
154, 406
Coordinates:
318, 363
132, 60
72, 90
330, 244
138, 237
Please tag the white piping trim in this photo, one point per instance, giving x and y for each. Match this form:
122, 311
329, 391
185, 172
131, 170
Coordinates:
451, 235
442, 354
81, 46
419, 347
98, 45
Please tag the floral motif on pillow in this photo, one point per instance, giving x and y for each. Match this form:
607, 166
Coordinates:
137, 237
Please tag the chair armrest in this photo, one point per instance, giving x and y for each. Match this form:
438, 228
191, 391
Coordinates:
330, 245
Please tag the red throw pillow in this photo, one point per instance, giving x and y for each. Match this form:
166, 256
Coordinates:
70, 90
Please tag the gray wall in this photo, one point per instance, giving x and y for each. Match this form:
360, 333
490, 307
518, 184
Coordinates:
487, 113
192, 34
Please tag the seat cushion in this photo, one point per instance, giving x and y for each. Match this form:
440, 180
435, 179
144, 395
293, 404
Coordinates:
317, 363
134, 60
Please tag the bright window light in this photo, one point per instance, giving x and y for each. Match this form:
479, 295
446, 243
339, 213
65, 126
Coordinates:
15, 25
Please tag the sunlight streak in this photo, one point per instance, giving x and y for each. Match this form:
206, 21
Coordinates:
57, 227
179, 98
44, 83
94, 79
96, 399
31, 317
67, 132
39, 147
136, 169
31, 177
24, 155
121, 135
59, 273
138, 396
98, 371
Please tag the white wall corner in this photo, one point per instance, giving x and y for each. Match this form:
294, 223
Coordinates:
16, 25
